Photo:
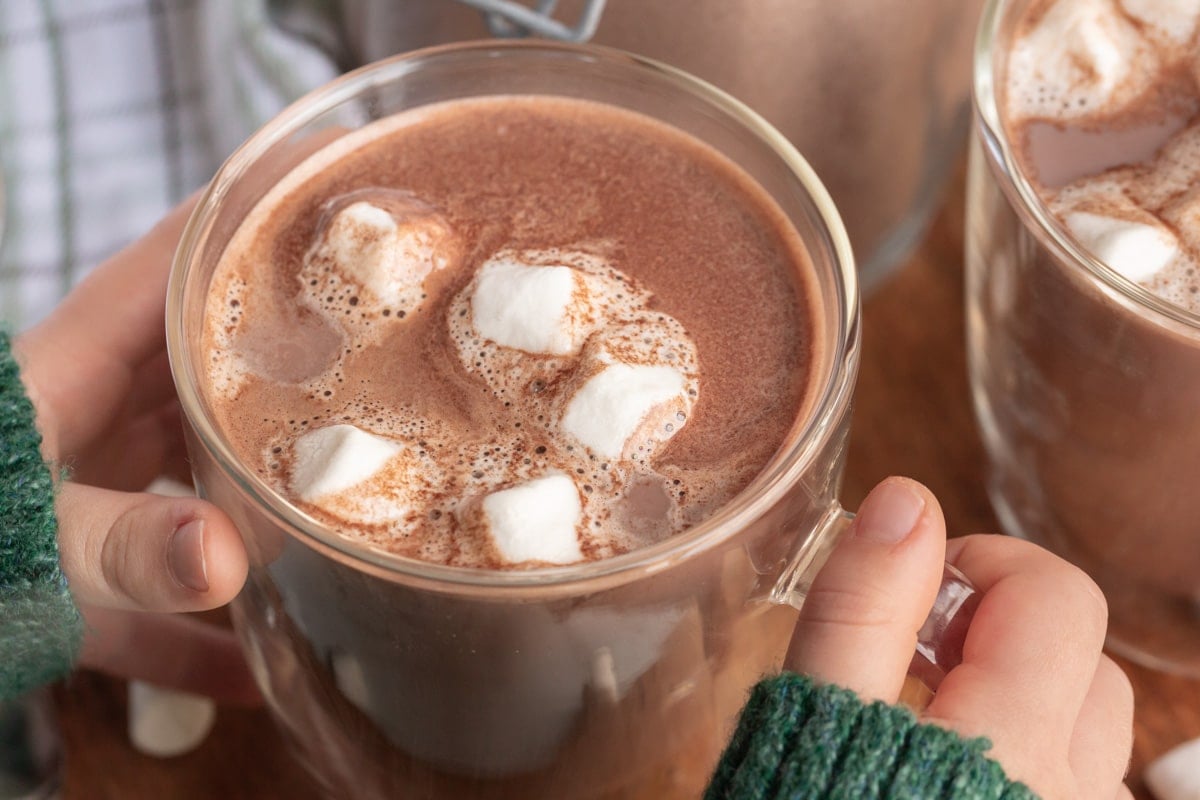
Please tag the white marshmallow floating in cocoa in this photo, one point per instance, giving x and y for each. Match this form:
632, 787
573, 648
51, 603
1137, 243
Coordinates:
367, 246
1078, 58
620, 400
535, 308
1136, 249
330, 460
536, 520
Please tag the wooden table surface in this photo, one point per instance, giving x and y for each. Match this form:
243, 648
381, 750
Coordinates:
912, 417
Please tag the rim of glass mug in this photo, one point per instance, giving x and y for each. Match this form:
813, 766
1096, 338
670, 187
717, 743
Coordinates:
837, 374
998, 14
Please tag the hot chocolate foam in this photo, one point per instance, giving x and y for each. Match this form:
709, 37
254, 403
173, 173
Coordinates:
639, 344
1102, 98
373, 253
1077, 59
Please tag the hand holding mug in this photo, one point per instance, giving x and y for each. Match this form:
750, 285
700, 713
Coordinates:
1033, 678
97, 373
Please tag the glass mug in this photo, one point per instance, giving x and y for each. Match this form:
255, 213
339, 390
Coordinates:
890, 79
1085, 388
616, 678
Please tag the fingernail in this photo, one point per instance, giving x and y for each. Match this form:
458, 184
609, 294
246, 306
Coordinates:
889, 513
186, 556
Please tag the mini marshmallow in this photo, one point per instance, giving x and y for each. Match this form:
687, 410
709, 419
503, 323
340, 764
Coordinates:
1176, 19
536, 521
1137, 250
330, 460
366, 245
1176, 774
166, 723
613, 404
604, 675
537, 309
348, 675
1076, 60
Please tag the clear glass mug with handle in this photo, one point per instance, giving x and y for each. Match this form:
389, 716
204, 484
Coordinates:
615, 678
889, 81
1084, 384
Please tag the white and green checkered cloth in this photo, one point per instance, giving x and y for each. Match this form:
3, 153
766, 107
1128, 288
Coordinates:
112, 111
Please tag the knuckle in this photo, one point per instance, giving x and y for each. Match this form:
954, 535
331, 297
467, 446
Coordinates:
1117, 688
1067, 593
861, 607
1087, 600
119, 557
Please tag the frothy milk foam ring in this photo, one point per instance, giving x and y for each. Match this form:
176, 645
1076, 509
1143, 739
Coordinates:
471, 363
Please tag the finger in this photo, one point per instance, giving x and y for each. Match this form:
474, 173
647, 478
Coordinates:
1029, 656
87, 353
134, 454
146, 552
858, 626
1103, 740
153, 385
173, 651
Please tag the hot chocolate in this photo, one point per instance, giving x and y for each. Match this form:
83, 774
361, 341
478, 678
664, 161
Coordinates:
496, 327
1085, 344
1102, 100
490, 317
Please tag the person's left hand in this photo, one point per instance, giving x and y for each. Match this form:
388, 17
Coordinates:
1033, 677
97, 373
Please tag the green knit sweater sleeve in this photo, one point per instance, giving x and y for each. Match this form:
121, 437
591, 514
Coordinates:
40, 627
800, 741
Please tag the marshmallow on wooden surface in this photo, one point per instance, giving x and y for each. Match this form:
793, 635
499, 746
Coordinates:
1176, 774
538, 309
166, 723
1136, 249
615, 403
536, 521
329, 461
349, 677
367, 246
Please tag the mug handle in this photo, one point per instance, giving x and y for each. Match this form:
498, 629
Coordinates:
939, 641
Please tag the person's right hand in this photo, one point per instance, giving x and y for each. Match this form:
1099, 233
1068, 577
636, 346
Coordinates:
1033, 678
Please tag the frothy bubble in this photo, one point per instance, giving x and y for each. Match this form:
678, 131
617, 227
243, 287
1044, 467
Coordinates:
433, 494
370, 257
226, 369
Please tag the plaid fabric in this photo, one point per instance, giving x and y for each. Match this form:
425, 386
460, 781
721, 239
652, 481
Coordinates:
112, 111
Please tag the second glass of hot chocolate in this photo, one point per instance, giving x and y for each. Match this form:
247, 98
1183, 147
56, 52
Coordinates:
525, 371
1083, 251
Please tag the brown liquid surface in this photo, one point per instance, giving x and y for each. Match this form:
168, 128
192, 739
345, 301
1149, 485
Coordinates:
520, 174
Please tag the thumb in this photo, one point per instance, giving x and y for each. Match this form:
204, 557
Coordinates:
858, 626
147, 552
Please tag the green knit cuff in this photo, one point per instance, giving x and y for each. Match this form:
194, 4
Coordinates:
40, 627
798, 740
